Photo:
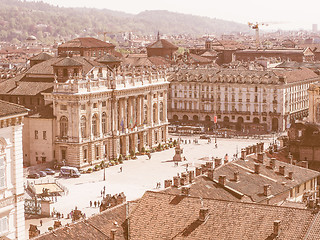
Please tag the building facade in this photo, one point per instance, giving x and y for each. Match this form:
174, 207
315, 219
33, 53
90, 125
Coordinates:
11, 171
244, 100
103, 114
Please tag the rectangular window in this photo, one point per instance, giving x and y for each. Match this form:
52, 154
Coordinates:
83, 107
44, 135
95, 105
3, 225
97, 152
2, 173
36, 134
63, 107
85, 154
104, 103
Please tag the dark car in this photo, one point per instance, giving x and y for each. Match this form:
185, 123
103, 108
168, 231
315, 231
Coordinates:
33, 175
49, 171
204, 137
42, 174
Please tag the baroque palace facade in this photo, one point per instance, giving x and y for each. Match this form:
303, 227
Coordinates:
250, 101
105, 113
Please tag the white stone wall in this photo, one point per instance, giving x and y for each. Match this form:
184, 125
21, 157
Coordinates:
11, 196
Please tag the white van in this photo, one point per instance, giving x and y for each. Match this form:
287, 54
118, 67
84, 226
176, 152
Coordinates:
69, 171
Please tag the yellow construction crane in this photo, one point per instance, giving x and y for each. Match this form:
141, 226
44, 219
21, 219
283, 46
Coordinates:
256, 26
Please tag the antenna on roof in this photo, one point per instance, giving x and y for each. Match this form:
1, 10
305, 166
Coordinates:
158, 37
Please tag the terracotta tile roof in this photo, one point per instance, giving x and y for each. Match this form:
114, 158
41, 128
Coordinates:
107, 58
41, 57
67, 62
314, 229
9, 84
206, 188
194, 59
31, 88
86, 42
145, 61
8, 109
251, 184
45, 68
162, 43
96, 227
165, 216
297, 75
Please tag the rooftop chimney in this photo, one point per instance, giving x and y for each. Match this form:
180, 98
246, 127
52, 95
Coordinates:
167, 183
256, 168
260, 157
272, 163
176, 181
243, 153
217, 162
282, 169
198, 171
222, 180
185, 191
113, 234
276, 227
209, 165
236, 176
304, 164
203, 214
290, 159
290, 175
191, 176
266, 190
210, 174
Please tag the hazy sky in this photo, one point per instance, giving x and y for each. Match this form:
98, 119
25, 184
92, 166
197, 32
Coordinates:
279, 13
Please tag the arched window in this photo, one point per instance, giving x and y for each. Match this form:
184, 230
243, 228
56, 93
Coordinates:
83, 126
155, 113
104, 122
63, 126
161, 112
94, 125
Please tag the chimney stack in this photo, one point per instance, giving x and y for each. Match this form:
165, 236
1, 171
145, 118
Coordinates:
222, 180
236, 176
243, 153
210, 174
276, 227
260, 157
167, 183
290, 175
209, 165
267, 190
191, 176
176, 181
290, 159
113, 234
198, 171
185, 191
203, 214
272, 163
305, 164
257, 168
217, 162
282, 169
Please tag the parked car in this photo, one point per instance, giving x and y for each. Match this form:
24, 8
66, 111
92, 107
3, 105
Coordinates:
204, 137
49, 171
33, 175
42, 174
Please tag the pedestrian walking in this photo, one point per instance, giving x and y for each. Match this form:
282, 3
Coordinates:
90, 203
98, 204
95, 204
41, 222
121, 169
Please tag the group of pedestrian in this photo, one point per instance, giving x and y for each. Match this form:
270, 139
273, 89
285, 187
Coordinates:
94, 204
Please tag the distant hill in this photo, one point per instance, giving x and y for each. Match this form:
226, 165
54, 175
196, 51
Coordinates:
20, 19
